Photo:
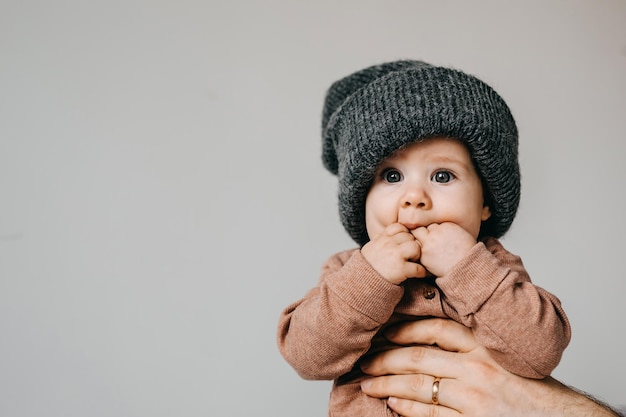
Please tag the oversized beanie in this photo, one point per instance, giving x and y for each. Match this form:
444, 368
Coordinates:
374, 112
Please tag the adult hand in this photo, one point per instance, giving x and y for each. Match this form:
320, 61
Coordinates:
472, 384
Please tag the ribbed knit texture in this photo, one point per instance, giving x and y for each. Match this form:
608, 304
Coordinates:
376, 111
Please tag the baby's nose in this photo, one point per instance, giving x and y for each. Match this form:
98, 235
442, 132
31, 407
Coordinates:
416, 197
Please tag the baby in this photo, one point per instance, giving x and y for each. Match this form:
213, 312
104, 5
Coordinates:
429, 179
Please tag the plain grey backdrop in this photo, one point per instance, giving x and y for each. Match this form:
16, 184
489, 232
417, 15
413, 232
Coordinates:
162, 196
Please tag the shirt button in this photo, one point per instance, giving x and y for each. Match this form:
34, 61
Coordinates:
429, 293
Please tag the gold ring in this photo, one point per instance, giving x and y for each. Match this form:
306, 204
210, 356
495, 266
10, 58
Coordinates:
436, 391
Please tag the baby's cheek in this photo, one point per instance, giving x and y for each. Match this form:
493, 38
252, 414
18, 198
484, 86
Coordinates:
373, 229
376, 223
380, 212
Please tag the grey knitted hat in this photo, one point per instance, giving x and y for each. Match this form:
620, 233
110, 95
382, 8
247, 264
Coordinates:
372, 113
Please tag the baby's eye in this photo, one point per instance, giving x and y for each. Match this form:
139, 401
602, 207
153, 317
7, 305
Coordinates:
391, 175
442, 177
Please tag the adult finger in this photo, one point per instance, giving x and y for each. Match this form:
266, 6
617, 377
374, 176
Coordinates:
413, 360
447, 334
412, 395
416, 387
408, 408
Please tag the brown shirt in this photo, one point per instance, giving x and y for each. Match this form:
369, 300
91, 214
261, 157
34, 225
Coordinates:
324, 334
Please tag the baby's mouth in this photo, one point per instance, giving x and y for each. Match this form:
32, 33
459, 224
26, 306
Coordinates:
412, 225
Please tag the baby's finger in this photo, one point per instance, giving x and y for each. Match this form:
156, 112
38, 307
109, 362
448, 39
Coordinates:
409, 247
395, 228
420, 233
415, 270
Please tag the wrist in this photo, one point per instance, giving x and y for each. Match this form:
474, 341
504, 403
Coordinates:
564, 401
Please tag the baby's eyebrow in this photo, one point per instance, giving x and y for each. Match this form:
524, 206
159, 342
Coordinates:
383, 167
444, 157
447, 159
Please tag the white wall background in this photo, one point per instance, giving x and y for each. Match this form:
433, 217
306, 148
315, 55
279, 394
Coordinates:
162, 196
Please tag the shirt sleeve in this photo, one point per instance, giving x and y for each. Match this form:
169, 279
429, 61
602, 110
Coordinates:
523, 326
324, 334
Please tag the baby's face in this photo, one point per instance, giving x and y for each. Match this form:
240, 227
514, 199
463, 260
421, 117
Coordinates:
433, 181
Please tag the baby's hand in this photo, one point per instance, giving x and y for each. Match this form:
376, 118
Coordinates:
394, 254
443, 246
